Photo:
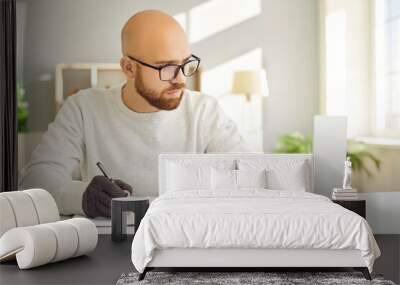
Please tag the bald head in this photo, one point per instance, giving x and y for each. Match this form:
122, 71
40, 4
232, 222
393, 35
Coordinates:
154, 35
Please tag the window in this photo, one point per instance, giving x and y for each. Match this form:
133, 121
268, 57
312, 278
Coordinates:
387, 68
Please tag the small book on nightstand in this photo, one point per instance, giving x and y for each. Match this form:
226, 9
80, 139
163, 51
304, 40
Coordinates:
344, 194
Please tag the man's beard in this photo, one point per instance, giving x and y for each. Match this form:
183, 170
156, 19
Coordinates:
158, 99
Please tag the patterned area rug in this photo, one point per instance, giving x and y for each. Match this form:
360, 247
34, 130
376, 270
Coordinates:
275, 278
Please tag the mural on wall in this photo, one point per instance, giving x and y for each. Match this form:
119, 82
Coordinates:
228, 41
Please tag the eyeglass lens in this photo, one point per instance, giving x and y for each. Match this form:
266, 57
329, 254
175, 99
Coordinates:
169, 72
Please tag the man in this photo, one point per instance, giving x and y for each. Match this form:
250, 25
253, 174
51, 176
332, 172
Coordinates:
127, 126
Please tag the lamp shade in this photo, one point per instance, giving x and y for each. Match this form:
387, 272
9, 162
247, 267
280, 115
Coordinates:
250, 82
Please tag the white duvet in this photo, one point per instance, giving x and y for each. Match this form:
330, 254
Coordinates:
250, 218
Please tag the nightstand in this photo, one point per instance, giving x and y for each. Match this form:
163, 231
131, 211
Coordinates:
357, 206
119, 207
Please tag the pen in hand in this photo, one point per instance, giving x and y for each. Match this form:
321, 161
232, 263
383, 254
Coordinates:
101, 167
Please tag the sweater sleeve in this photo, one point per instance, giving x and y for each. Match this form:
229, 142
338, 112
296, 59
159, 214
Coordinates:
221, 132
55, 163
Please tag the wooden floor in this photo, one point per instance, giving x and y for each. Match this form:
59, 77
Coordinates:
110, 260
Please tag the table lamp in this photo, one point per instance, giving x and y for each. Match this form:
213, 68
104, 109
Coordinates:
249, 82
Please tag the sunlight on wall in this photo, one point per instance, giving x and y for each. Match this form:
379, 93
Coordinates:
215, 16
335, 33
181, 18
379, 62
345, 64
387, 67
218, 80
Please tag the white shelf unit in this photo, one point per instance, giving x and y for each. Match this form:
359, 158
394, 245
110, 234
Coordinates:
71, 77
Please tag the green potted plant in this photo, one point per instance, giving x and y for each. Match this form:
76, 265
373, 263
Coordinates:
22, 110
22, 120
294, 142
358, 153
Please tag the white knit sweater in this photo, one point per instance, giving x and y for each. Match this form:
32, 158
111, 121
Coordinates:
95, 125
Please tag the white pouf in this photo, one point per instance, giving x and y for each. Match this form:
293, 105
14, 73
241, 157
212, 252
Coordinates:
37, 245
30, 230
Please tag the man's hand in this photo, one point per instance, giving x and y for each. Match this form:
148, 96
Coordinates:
96, 200
124, 186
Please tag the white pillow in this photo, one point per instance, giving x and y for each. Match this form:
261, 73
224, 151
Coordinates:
293, 179
282, 174
251, 178
223, 179
183, 177
236, 179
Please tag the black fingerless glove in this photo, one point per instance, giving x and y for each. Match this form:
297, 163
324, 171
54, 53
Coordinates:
96, 200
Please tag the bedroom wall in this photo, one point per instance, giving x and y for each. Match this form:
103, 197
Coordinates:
88, 31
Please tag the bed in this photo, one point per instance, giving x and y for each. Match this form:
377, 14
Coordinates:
244, 211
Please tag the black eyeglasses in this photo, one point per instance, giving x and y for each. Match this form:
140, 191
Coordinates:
170, 71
